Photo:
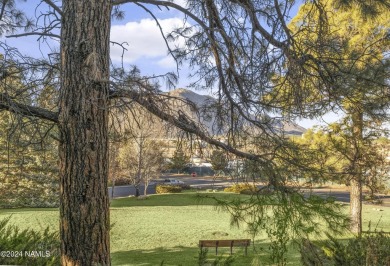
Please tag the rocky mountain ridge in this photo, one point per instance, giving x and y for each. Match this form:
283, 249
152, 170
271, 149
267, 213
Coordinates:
288, 127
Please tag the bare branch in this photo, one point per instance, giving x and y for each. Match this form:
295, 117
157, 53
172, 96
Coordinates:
55, 7
166, 4
281, 19
248, 5
41, 34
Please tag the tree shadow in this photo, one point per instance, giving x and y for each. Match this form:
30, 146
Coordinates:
175, 256
179, 255
179, 199
27, 210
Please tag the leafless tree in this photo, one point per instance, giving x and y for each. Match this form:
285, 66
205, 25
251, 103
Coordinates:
141, 155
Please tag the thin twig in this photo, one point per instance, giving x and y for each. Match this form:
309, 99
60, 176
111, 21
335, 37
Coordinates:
55, 7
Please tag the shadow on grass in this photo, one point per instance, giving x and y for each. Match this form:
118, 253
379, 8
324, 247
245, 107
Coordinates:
26, 210
173, 256
190, 256
179, 199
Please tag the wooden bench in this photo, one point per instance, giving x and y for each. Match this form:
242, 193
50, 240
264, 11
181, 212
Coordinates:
225, 243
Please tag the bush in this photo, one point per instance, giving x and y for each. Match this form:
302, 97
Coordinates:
242, 188
373, 199
185, 186
32, 191
371, 249
313, 255
22, 197
161, 189
28, 247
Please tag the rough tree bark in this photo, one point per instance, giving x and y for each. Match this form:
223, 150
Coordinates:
356, 205
83, 127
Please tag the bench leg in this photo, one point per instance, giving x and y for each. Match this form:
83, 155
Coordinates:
216, 250
246, 250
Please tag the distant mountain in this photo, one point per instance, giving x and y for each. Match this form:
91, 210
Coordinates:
291, 128
198, 99
203, 101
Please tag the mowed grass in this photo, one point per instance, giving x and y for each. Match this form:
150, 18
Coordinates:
167, 228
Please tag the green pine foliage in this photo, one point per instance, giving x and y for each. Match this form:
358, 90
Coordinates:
28, 149
327, 151
28, 247
285, 215
28, 164
371, 249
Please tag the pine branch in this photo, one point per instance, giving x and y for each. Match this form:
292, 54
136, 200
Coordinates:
189, 126
18, 108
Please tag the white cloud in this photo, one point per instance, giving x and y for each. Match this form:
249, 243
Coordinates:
144, 40
182, 3
166, 62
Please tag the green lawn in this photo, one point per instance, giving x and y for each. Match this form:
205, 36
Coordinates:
168, 228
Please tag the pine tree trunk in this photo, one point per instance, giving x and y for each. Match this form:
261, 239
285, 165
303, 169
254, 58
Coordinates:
356, 168
83, 124
356, 206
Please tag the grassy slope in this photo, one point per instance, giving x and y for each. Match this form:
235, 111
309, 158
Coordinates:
168, 227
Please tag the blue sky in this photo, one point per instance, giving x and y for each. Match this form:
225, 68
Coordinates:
145, 47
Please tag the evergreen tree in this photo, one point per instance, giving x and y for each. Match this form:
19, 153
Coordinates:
28, 155
218, 161
178, 160
350, 46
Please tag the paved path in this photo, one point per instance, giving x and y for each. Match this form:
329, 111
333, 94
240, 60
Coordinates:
344, 196
208, 183
125, 191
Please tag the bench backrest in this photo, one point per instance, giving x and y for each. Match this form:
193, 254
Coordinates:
225, 243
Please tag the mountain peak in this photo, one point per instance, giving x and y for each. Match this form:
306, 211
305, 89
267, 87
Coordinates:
194, 97
178, 91
288, 127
